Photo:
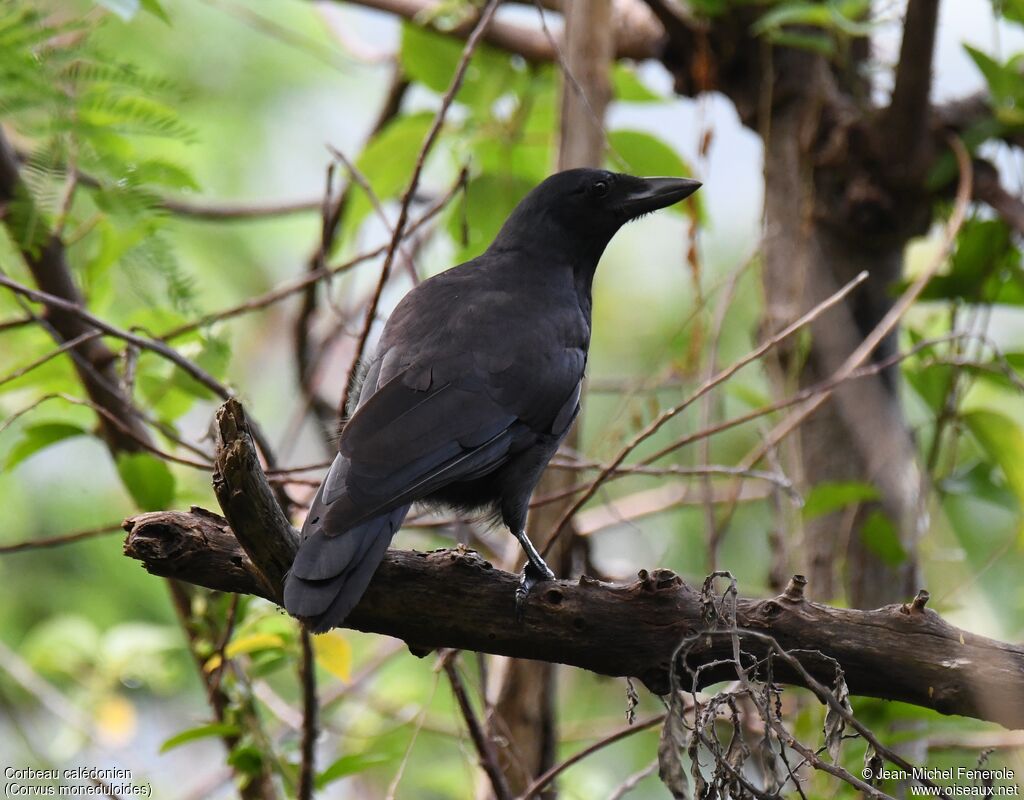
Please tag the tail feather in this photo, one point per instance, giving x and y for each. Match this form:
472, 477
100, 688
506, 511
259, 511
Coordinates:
331, 573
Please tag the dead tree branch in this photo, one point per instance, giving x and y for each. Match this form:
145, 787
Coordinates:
894, 653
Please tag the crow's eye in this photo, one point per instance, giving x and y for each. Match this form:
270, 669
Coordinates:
600, 188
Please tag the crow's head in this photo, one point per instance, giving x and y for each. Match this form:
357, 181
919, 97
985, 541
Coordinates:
583, 208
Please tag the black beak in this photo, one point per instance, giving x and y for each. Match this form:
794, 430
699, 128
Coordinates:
655, 193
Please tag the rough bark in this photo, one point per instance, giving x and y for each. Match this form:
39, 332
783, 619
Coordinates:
899, 652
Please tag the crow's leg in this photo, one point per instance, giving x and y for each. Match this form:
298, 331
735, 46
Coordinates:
533, 573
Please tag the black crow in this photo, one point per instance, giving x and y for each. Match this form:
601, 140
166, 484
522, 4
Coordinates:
475, 383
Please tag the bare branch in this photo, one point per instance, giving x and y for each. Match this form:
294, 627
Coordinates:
413, 184
622, 630
57, 541
905, 122
483, 744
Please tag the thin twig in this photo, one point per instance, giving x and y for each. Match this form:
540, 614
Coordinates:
403, 213
57, 541
707, 386
144, 444
307, 675
225, 639
543, 780
153, 345
484, 746
892, 317
297, 285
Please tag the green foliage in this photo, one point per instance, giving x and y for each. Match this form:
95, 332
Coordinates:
349, 765
148, 479
1003, 440
882, 538
217, 729
828, 497
1012, 10
489, 198
37, 437
88, 112
387, 162
818, 27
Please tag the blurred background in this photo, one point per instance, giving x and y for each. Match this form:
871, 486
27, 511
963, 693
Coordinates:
210, 126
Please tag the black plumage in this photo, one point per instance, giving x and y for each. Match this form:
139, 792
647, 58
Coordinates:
474, 384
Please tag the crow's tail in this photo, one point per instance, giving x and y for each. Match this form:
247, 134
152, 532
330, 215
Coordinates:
330, 573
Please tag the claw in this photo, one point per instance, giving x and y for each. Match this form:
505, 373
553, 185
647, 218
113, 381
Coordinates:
531, 575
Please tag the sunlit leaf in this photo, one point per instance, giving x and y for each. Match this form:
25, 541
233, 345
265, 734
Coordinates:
334, 654
155, 8
388, 161
245, 644
431, 58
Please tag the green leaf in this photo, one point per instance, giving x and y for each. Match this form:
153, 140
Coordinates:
986, 267
247, 758
1012, 10
212, 353
148, 480
349, 765
1003, 440
931, 382
812, 42
804, 14
833, 16
37, 437
977, 483
388, 161
1002, 80
488, 202
431, 58
427, 57
829, 496
627, 86
882, 538
645, 154
202, 732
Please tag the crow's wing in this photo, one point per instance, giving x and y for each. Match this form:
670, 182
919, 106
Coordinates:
415, 433
410, 436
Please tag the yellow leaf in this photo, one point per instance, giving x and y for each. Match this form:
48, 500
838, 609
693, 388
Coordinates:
245, 644
334, 654
252, 642
115, 720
